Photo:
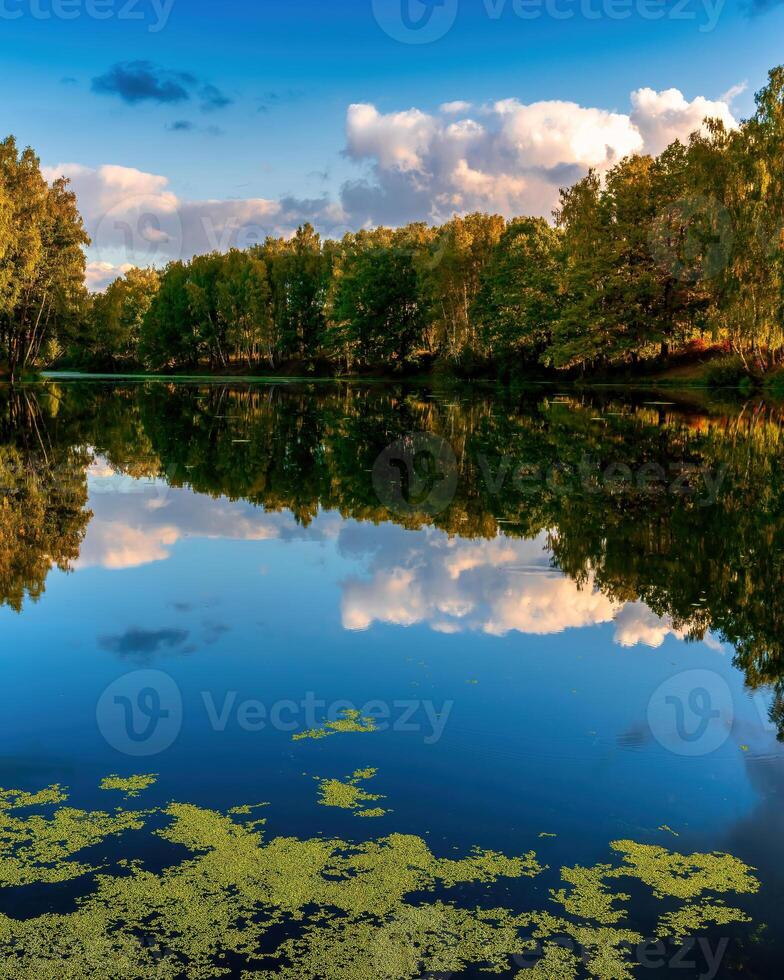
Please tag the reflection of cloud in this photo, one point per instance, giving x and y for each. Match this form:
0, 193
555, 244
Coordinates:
113, 545
100, 469
496, 587
143, 645
452, 585
137, 522
135, 642
635, 623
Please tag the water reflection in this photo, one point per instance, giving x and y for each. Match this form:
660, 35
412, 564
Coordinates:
576, 540
234, 536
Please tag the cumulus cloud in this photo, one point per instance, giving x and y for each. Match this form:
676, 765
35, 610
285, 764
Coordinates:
662, 117
142, 81
135, 219
510, 156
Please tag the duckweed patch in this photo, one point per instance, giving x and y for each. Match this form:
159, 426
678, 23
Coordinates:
350, 720
385, 909
348, 794
36, 849
131, 786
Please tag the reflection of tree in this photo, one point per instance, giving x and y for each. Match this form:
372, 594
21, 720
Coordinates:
43, 493
527, 463
706, 567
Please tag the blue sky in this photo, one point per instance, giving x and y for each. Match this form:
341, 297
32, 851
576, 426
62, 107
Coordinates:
289, 71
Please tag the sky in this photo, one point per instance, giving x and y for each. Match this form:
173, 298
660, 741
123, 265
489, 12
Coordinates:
187, 126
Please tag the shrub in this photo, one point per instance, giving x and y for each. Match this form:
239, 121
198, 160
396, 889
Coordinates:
728, 372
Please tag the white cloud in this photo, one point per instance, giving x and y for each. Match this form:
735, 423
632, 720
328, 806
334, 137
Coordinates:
396, 140
512, 159
453, 108
508, 157
548, 135
135, 219
662, 117
100, 274
734, 91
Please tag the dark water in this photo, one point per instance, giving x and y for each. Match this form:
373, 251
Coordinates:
561, 612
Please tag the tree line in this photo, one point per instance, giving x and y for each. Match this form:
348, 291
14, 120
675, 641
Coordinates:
659, 254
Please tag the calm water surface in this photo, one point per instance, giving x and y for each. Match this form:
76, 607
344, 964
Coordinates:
557, 616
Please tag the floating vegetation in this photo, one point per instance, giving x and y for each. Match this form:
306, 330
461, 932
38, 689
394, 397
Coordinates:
375, 811
129, 785
36, 849
350, 720
348, 794
385, 909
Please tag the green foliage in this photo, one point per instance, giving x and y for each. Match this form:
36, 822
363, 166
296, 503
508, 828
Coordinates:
42, 264
646, 259
726, 372
43, 499
116, 316
518, 301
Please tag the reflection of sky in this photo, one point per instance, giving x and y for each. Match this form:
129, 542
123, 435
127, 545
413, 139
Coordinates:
494, 586
450, 584
550, 683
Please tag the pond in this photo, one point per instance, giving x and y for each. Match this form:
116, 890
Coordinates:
374, 681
